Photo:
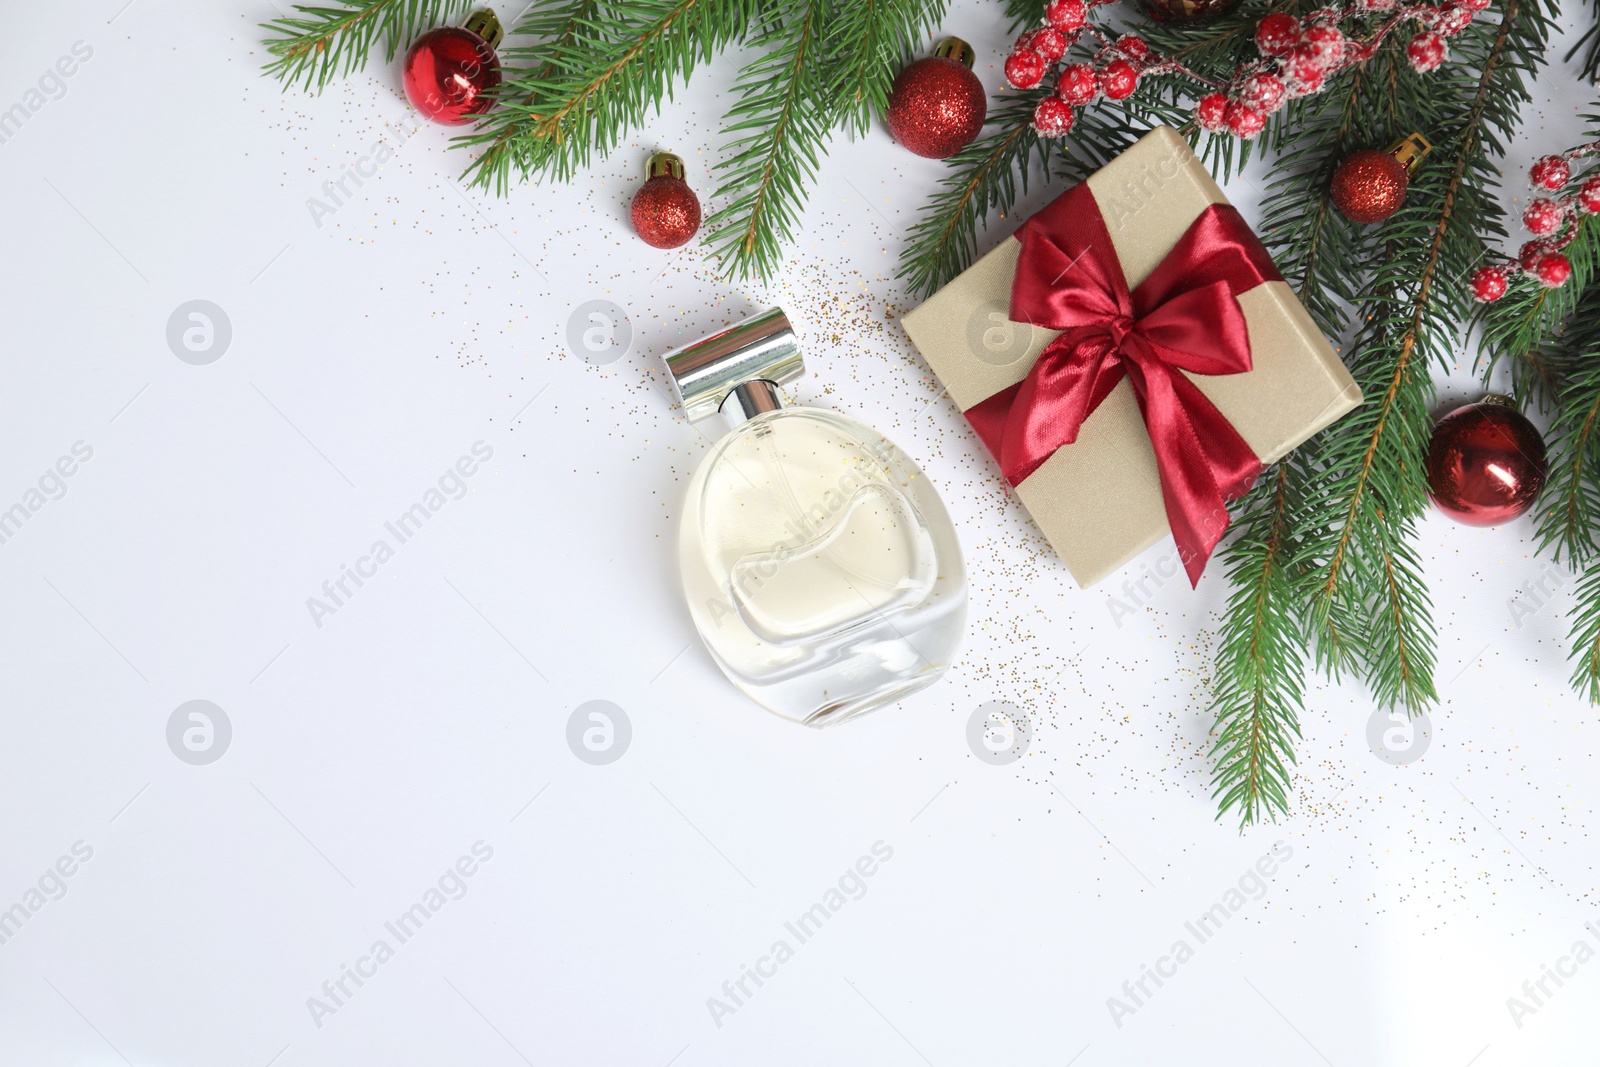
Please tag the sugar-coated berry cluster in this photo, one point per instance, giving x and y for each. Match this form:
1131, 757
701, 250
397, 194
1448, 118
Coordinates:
1553, 221
1298, 56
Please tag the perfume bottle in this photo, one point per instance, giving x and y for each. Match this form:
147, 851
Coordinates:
820, 566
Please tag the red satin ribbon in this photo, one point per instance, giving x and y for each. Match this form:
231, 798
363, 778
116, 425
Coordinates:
1184, 317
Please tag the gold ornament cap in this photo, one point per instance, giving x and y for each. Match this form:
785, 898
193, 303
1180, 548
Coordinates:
957, 49
663, 165
1500, 400
486, 24
1410, 152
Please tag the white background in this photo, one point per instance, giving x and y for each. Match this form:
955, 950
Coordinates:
372, 351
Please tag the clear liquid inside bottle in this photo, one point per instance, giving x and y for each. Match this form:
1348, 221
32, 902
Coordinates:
820, 566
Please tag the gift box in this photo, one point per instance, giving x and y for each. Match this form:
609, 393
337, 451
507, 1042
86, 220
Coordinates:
1133, 360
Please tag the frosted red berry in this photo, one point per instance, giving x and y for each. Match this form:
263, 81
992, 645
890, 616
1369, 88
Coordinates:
1276, 35
1551, 172
1326, 41
1212, 111
1024, 70
1589, 195
1048, 41
1053, 117
1303, 71
1264, 92
1067, 15
1453, 19
1489, 284
1244, 121
1528, 255
1132, 46
1552, 269
1426, 51
1118, 79
1543, 217
1078, 84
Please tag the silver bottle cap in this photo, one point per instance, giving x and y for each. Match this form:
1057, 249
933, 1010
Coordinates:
707, 372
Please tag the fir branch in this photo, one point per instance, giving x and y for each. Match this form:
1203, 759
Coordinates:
867, 42
784, 126
1589, 45
321, 43
1586, 634
1257, 689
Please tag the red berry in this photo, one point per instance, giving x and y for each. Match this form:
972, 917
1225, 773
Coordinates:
1053, 117
1078, 84
1244, 121
1024, 69
1067, 15
1543, 217
1132, 46
1474, 5
1383, 5
1118, 79
1552, 269
1264, 92
1452, 20
1326, 40
1276, 35
1489, 284
1049, 42
1303, 71
1589, 195
1528, 255
1551, 172
1212, 111
1426, 51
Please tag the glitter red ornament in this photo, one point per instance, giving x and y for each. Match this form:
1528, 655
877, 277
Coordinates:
1370, 185
1486, 463
1550, 172
937, 105
666, 213
449, 71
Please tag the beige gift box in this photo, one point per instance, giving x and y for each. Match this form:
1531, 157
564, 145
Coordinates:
1099, 500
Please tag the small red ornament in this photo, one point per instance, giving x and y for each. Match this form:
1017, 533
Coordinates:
1078, 84
1368, 186
1427, 51
1489, 284
1486, 463
937, 105
1589, 195
1118, 79
1276, 35
1067, 15
1552, 269
449, 71
1550, 172
1053, 117
666, 213
1212, 111
1543, 217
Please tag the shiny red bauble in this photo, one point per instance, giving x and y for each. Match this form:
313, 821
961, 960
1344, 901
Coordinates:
449, 71
1486, 463
937, 105
1369, 186
666, 213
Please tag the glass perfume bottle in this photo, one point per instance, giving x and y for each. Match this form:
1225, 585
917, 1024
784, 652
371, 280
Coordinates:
820, 565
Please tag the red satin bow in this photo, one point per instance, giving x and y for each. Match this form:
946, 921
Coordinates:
1184, 317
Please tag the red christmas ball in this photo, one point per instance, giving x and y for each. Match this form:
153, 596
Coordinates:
1276, 35
1369, 186
666, 213
1489, 284
1550, 172
1486, 463
449, 71
936, 105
